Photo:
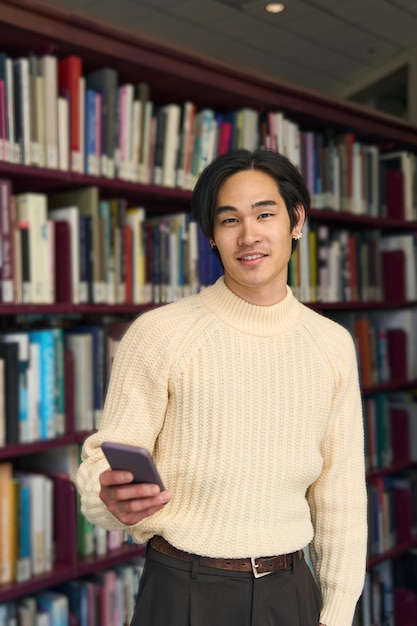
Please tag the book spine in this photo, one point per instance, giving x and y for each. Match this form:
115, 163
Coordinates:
7, 242
45, 339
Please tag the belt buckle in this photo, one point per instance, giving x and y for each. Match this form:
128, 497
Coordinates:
255, 572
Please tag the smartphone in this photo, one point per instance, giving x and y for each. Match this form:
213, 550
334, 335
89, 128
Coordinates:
133, 459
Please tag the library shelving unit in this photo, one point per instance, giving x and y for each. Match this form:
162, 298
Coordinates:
173, 75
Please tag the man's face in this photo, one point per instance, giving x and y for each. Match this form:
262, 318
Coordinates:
253, 236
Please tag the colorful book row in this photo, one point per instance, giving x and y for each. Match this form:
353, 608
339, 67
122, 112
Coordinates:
54, 115
344, 265
53, 380
107, 598
74, 247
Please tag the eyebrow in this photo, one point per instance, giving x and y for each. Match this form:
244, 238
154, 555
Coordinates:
256, 205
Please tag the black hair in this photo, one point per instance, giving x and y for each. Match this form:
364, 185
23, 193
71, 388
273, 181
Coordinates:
291, 184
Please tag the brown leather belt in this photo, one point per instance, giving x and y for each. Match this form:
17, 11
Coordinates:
260, 566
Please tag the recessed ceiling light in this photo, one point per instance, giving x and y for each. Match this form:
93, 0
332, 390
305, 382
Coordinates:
274, 7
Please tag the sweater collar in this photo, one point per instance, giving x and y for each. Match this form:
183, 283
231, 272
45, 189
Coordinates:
251, 318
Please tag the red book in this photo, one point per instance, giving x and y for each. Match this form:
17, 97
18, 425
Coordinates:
403, 510
400, 434
63, 273
397, 353
405, 607
394, 194
226, 130
393, 274
69, 75
362, 333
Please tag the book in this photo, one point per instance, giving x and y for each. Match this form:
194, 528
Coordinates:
22, 109
186, 139
397, 345
87, 201
124, 131
362, 334
49, 70
69, 75
23, 557
399, 434
22, 341
71, 215
34, 391
405, 319
77, 593
63, 275
104, 81
6, 520
56, 605
171, 144
23, 283
63, 133
91, 163
407, 243
7, 242
9, 353
393, 272
395, 185
97, 334
135, 219
106, 592
40, 502
81, 346
27, 609
32, 208
37, 124
44, 338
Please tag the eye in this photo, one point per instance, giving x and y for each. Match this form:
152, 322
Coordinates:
229, 220
265, 215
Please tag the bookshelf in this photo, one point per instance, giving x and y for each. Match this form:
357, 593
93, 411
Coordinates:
175, 75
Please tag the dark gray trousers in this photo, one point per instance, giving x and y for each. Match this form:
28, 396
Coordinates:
175, 593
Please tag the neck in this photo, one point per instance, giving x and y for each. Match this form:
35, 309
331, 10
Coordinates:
258, 294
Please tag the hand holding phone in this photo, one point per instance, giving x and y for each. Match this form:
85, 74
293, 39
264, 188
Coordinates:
134, 459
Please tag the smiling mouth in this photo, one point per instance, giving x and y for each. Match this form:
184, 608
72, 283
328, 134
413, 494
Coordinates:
251, 257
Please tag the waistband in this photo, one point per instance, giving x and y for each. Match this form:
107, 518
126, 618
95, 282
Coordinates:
259, 566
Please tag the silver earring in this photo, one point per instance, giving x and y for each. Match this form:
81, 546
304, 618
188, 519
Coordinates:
212, 245
298, 236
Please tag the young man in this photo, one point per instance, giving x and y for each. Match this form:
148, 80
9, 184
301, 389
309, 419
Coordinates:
250, 404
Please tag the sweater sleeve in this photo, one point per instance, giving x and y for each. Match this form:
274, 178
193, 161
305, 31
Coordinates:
338, 498
133, 413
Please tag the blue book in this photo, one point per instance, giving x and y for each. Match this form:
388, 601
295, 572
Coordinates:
56, 605
47, 381
77, 594
59, 381
90, 131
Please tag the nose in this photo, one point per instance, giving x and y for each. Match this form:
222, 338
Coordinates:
249, 234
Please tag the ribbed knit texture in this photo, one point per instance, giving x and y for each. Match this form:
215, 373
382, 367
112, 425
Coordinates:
253, 415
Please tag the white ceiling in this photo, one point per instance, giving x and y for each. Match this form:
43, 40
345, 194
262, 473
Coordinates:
325, 45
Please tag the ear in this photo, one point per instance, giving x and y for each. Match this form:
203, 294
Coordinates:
212, 244
300, 219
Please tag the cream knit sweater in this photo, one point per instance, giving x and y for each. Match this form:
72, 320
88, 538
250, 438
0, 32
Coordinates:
253, 415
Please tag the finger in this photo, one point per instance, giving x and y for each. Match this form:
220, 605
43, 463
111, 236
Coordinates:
114, 477
130, 518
